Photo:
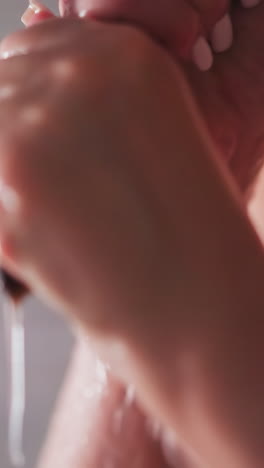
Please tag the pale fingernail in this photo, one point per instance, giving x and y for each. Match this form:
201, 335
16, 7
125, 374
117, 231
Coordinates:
202, 54
222, 34
250, 3
33, 9
36, 6
27, 17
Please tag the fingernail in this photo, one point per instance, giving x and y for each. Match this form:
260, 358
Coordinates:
202, 54
222, 34
250, 3
35, 8
28, 16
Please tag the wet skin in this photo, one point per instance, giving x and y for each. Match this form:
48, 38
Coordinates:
240, 139
225, 93
228, 124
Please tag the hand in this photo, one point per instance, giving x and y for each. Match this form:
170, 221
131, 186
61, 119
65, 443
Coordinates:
184, 27
99, 422
227, 123
178, 25
153, 186
114, 225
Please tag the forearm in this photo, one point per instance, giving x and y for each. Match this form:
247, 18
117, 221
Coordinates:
195, 355
168, 194
197, 360
97, 422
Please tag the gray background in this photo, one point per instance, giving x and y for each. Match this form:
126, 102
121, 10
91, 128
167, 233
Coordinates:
48, 341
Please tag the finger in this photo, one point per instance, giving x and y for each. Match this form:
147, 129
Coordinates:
39, 36
174, 23
18, 77
9, 198
210, 11
217, 22
35, 13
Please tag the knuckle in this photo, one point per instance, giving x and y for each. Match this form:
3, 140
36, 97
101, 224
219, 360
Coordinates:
8, 91
12, 44
67, 69
81, 74
33, 116
73, 72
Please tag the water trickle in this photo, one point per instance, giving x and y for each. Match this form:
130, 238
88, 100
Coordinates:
14, 319
15, 352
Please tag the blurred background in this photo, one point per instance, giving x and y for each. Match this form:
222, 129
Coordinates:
48, 341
